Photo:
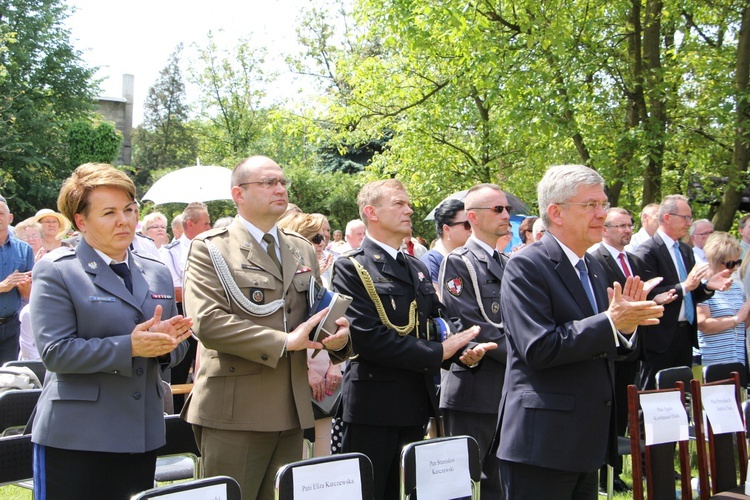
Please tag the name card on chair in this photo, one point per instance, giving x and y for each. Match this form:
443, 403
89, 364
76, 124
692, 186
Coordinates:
664, 418
443, 470
720, 405
325, 481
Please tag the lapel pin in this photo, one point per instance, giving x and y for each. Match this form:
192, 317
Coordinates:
93, 265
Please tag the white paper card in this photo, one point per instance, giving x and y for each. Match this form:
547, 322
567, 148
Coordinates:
664, 417
327, 481
720, 406
443, 470
210, 492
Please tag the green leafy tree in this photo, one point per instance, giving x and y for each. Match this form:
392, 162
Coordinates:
94, 143
44, 87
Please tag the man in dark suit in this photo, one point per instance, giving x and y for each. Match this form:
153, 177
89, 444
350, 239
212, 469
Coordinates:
389, 389
470, 279
557, 415
670, 343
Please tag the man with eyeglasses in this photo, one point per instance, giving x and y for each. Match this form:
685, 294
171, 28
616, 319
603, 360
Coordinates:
562, 332
671, 342
246, 285
699, 233
470, 278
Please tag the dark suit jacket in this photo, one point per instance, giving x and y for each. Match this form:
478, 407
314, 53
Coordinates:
461, 389
97, 396
657, 261
557, 406
390, 381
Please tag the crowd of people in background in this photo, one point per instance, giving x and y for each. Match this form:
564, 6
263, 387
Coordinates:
691, 305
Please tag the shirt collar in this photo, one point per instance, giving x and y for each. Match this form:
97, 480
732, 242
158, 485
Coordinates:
109, 260
570, 254
257, 233
667, 240
490, 251
393, 252
612, 250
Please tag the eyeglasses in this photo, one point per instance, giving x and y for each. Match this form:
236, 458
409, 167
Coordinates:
731, 264
620, 226
498, 209
707, 233
467, 224
318, 239
156, 227
686, 218
269, 183
589, 206
49, 221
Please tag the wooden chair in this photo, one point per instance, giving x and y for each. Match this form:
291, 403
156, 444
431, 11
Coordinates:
209, 487
659, 463
409, 483
720, 464
284, 487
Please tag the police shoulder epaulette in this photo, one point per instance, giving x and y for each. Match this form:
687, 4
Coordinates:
289, 232
146, 257
61, 253
144, 236
172, 244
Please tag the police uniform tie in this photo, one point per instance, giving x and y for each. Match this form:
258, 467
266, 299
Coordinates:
123, 272
624, 265
687, 298
271, 249
584, 276
496, 256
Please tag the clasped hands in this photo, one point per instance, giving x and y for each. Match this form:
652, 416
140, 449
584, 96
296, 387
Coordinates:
157, 337
15, 279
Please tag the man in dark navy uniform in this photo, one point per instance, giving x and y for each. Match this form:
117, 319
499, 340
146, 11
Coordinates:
388, 389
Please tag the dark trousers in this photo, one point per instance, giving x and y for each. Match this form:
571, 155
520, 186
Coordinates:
679, 353
626, 373
9, 332
529, 482
480, 426
181, 372
91, 475
382, 445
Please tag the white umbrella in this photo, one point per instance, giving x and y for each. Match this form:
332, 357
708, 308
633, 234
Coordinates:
200, 183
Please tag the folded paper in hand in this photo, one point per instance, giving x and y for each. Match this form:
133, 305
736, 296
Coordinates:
318, 299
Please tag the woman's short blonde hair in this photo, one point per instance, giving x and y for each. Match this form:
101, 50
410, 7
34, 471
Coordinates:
308, 225
721, 247
29, 223
75, 191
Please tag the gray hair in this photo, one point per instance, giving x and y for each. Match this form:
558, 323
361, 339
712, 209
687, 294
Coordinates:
700, 221
669, 205
561, 183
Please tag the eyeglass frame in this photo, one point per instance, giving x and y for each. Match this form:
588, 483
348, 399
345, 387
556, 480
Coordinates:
687, 218
466, 223
498, 209
269, 182
155, 227
620, 226
588, 206
707, 233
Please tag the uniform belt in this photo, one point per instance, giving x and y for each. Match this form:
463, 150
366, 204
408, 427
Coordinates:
683, 324
5, 319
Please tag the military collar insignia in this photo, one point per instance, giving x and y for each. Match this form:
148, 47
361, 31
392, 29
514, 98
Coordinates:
377, 256
93, 265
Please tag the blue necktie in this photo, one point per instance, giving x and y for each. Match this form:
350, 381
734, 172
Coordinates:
584, 275
688, 298
123, 272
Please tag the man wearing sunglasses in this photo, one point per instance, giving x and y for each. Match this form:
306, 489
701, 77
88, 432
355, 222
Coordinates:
470, 278
671, 342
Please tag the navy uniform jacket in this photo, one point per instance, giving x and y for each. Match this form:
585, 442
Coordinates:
390, 381
557, 409
657, 261
463, 389
97, 396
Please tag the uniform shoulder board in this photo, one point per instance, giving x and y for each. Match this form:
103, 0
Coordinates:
145, 237
172, 244
212, 232
61, 253
146, 257
353, 252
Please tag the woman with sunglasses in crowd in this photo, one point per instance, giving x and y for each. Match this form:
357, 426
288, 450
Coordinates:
721, 319
453, 229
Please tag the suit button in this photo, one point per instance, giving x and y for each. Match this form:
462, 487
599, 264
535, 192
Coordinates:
231, 369
137, 395
369, 375
608, 403
289, 310
264, 357
136, 320
139, 371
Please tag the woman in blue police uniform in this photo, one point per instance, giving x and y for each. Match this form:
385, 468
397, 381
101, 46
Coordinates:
100, 332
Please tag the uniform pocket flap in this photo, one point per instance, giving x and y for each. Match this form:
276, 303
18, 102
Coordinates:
254, 279
546, 401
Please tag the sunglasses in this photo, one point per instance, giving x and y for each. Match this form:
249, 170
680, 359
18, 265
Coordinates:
318, 239
731, 264
498, 209
466, 224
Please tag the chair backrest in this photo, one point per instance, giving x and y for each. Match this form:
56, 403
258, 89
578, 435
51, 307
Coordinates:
409, 480
659, 457
723, 371
16, 407
36, 366
721, 447
350, 468
668, 377
16, 459
218, 487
